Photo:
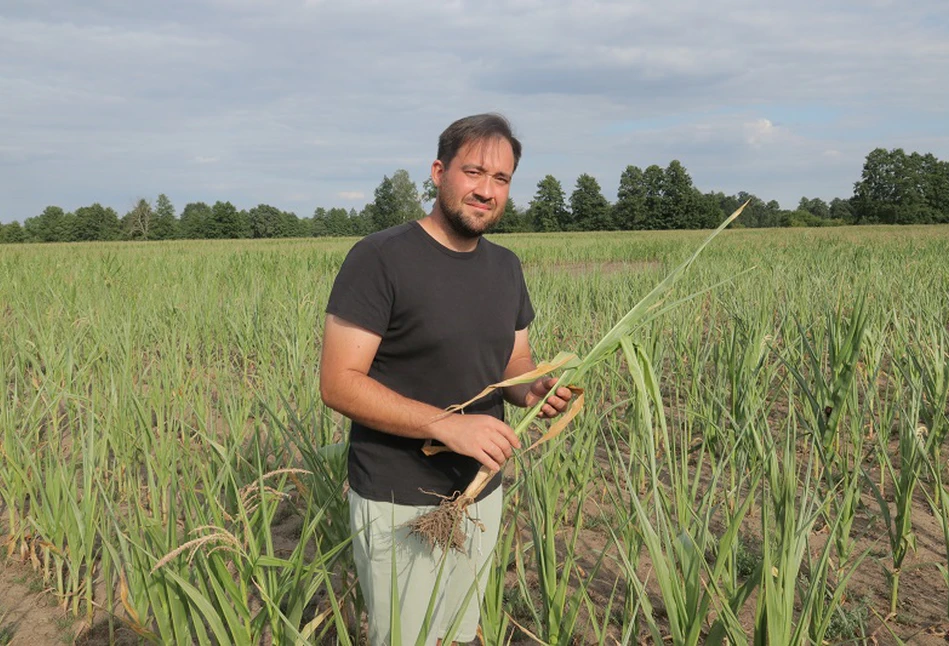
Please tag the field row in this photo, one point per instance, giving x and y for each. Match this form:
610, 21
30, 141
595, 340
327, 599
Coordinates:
763, 463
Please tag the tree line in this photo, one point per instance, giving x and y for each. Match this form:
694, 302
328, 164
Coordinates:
894, 188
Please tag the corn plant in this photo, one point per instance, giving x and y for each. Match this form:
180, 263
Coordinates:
553, 504
622, 527
904, 474
675, 532
829, 391
495, 620
192, 366
787, 517
926, 369
938, 501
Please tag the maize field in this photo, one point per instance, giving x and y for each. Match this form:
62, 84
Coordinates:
763, 461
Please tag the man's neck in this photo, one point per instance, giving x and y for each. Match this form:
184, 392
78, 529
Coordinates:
437, 226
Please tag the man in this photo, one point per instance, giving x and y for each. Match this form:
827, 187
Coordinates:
422, 316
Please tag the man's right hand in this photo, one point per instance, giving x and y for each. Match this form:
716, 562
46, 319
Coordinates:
482, 437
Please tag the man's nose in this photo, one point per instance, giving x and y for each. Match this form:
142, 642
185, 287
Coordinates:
485, 188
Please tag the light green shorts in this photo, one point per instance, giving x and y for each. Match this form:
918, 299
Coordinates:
379, 524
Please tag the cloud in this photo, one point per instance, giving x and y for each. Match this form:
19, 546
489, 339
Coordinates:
759, 131
106, 100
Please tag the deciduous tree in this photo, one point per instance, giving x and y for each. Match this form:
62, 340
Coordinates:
842, 210
96, 222
195, 221
815, 206
225, 221
265, 222
137, 222
339, 223
12, 233
45, 227
429, 190
396, 201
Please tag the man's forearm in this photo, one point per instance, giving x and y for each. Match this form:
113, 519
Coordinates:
517, 395
366, 401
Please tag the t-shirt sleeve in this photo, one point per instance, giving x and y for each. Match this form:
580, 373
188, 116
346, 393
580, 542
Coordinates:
362, 292
525, 310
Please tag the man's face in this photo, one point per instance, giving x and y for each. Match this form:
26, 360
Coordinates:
473, 189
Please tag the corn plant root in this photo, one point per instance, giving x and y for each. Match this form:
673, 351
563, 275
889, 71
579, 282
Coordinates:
441, 527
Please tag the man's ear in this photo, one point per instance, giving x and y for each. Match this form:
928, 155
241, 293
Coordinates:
438, 169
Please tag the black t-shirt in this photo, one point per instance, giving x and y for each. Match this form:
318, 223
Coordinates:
447, 321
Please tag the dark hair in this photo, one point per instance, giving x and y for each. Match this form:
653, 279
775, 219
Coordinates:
478, 127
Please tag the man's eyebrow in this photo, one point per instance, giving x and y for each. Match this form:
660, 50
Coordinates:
482, 169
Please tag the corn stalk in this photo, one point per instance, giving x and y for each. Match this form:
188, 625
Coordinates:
444, 532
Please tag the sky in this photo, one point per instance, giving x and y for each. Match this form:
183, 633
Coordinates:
302, 104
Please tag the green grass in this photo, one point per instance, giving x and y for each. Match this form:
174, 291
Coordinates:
747, 558
849, 625
150, 390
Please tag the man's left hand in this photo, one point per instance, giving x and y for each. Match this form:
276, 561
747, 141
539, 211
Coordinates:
556, 401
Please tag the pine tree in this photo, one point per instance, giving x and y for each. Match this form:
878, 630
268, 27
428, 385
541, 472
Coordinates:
629, 212
384, 211
591, 211
164, 224
548, 210
678, 199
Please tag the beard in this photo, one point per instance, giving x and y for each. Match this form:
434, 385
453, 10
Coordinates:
465, 226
